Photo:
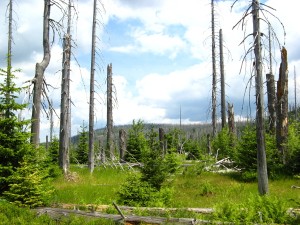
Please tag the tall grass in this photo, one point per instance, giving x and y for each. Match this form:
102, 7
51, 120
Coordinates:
190, 190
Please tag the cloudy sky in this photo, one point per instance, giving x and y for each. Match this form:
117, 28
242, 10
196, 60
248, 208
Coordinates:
160, 52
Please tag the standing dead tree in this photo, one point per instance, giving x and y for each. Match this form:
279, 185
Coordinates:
222, 73
214, 73
39, 77
271, 90
254, 10
39, 83
110, 146
282, 106
64, 131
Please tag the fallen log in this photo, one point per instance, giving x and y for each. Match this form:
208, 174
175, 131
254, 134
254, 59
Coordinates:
128, 219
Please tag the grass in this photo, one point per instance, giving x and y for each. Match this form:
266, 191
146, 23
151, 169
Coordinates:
191, 190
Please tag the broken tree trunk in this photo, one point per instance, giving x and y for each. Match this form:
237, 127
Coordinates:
271, 102
231, 124
282, 106
39, 78
122, 144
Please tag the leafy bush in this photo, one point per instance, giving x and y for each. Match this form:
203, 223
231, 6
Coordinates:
224, 143
136, 192
136, 143
192, 147
293, 145
28, 185
246, 154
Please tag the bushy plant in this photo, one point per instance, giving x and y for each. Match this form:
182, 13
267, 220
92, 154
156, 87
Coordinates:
53, 150
246, 154
28, 185
136, 192
136, 142
192, 148
293, 146
224, 144
82, 147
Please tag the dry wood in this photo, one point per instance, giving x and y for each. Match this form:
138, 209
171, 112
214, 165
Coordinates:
130, 219
109, 125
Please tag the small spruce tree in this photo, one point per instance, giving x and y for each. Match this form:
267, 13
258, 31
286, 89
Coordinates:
82, 148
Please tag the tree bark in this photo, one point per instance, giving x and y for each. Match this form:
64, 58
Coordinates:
122, 144
222, 72
214, 72
271, 102
39, 78
231, 124
260, 128
91, 163
109, 112
282, 106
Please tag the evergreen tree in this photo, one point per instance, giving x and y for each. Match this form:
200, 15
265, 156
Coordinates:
82, 148
137, 142
53, 150
14, 139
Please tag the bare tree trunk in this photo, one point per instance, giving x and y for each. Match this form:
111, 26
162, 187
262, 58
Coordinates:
222, 72
51, 121
9, 55
231, 124
214, 73
91, 163
109, 112
122, 144
282, 106
39, 78
64, 136
271, 102
271, 90
260, 129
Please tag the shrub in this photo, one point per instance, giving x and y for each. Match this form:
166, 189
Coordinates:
224, 143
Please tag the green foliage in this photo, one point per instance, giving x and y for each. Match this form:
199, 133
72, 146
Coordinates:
157, 168
82, 148
53, 150
256, 209
136, 142
14, 139
293, 146
224, 144
136, 192
28, 185
192, 147
246, 155
174, 139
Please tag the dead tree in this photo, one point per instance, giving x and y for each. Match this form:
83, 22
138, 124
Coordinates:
259, 92
222, 73
282, 106
231, 123
271, 90
122, 144
39, 77
109, 125
214, 73
64, 131
91, 160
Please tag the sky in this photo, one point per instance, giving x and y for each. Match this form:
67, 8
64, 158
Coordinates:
160, 52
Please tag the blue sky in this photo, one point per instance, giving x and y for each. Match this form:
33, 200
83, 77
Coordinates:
160, 52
